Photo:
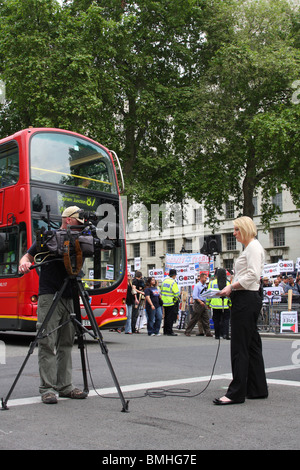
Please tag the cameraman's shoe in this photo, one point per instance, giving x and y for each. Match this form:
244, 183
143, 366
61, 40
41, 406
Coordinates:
49, 398
75, 393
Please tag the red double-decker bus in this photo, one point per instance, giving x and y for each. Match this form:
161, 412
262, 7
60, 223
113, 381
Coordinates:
43, 171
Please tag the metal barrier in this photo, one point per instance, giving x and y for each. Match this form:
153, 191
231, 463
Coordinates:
270, 316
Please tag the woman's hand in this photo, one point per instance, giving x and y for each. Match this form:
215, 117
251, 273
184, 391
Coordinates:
225, 292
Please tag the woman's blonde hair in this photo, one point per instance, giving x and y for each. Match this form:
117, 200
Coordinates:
246, 226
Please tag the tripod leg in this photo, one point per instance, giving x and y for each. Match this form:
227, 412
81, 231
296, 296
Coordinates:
4, 401
84, 373
79, 332
32, 346
99, 337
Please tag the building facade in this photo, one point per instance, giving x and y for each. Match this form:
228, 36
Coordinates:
181, 229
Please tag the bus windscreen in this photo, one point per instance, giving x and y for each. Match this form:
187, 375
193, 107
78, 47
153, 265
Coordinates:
68, 160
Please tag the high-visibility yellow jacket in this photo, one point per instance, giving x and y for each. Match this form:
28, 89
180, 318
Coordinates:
217, 302
169, 292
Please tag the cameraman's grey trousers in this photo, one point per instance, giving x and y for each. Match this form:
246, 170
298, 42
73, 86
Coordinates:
55, 350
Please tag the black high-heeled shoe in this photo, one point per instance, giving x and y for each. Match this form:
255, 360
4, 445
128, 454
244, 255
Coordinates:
218, 401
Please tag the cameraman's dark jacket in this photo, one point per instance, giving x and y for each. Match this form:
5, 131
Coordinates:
52, 275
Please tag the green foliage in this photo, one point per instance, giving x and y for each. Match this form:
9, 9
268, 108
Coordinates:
110, 69
246, 125
193, 95
46, 66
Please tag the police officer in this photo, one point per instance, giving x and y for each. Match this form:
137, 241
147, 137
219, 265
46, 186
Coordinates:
221, 311
170, 295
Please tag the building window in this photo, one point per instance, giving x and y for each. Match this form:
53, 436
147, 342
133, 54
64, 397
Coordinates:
229, 210
279, 236
277, 200
170, 246
198, 216
151, 249
136, 250
275, 259
230, 241
188, 245
254, 202
228, 264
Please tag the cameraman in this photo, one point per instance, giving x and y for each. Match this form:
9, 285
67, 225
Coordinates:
54, 352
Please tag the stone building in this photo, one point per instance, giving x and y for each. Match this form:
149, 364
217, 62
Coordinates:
178, 229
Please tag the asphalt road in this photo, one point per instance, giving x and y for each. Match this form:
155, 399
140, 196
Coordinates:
170, 387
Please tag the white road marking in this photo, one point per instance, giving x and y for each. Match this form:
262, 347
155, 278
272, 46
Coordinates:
166, 383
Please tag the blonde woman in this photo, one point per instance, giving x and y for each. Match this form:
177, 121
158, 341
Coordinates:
249, 379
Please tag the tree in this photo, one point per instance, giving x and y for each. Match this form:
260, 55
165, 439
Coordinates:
193, 95
46, 67
108, 69
150, 46
244, 128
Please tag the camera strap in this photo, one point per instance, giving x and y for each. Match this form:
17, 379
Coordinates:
67, 258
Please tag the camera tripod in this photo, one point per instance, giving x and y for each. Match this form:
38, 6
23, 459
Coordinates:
77, 291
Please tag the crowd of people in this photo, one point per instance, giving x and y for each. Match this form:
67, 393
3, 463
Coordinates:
286, 282
147, 304
144, 296
161, 306
191, 307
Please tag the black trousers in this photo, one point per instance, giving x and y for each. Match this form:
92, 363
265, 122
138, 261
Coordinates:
248, 371
221, 320
170, 318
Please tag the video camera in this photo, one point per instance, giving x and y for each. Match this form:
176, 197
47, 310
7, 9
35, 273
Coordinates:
91, 238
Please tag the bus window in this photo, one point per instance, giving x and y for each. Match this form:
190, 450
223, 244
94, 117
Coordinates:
65, 159
9, 164
22, 241
9, 251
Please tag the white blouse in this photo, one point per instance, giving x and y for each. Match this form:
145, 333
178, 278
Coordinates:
249, 266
